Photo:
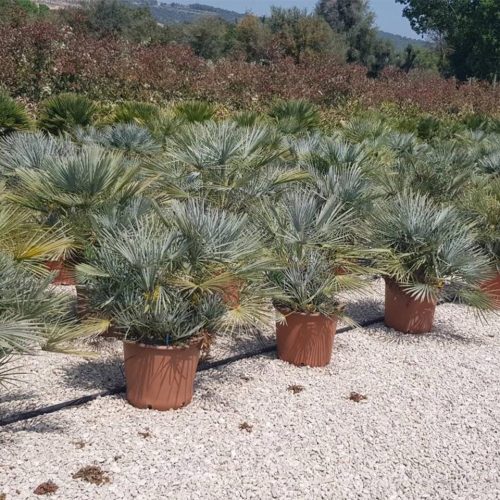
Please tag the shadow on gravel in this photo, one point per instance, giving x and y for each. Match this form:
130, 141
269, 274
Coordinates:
364, 309
94, 375
42, 425
440, 335
17, 396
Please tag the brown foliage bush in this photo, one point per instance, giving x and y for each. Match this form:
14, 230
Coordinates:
42, 58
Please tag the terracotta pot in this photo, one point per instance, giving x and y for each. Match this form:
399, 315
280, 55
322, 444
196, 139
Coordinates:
306, 339
65, 271
492, 288
231, 293
82, 302
160, 377
406, 314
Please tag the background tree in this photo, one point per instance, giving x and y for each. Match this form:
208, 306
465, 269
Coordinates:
113, 17
355, 21
470, 31
18, 11
297, 33
209, 37
253, 38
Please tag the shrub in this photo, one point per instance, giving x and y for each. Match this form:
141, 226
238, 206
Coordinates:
13, 115
195, 111
64, 112
140, 113
294, 117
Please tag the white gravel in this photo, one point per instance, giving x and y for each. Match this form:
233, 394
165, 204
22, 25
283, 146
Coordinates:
49, 378
429, 428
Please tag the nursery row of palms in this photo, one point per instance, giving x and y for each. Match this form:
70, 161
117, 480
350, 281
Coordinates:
181, 229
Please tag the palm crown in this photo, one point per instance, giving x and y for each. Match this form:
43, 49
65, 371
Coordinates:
429, 246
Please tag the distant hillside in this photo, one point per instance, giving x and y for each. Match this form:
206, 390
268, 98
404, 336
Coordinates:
401, 42
170, 13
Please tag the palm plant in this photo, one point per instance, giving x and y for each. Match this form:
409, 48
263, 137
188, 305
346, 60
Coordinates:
13, 116
339, 170
309, 238
31, 314
481, 204
126, 137
230, 166
441, 171
31, 151
361, 129
72, 188
432, 251
167, 282
248, 119
164, 277
140, 113
194, 111
64, 112
295, 117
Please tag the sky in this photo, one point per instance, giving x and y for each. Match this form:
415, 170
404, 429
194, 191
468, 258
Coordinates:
388, 12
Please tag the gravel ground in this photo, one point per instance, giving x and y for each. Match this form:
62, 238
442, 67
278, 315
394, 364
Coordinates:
49, 378
429, 428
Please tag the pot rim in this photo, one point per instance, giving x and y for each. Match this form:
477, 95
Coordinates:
288, 312
193, 344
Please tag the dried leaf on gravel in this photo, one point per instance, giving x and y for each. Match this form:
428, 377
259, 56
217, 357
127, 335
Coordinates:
245, 426
3, 496
47, 488
295, 388
357, 397
92, 474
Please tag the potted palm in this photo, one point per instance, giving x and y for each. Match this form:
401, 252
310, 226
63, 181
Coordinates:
32, 315
231, 167
161, 282
70, 189
481, 204
431, 254
309, 237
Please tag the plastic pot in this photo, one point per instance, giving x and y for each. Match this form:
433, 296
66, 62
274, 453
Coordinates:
492, 288
406, 314
65, 271
160, 377
306, 339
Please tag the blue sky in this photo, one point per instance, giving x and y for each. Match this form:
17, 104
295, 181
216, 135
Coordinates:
388, 12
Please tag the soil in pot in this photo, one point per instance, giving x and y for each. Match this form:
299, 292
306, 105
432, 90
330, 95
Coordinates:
306, 339
492, 288
160, 377
65, 271
406, 314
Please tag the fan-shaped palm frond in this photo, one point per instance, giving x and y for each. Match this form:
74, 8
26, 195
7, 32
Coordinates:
126, 137
358, 129
430, 246
139, 113
30, 151
295, 117
64, 112
163, 278
70, 189
222, 162
248, 119
194, 111
13, 116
